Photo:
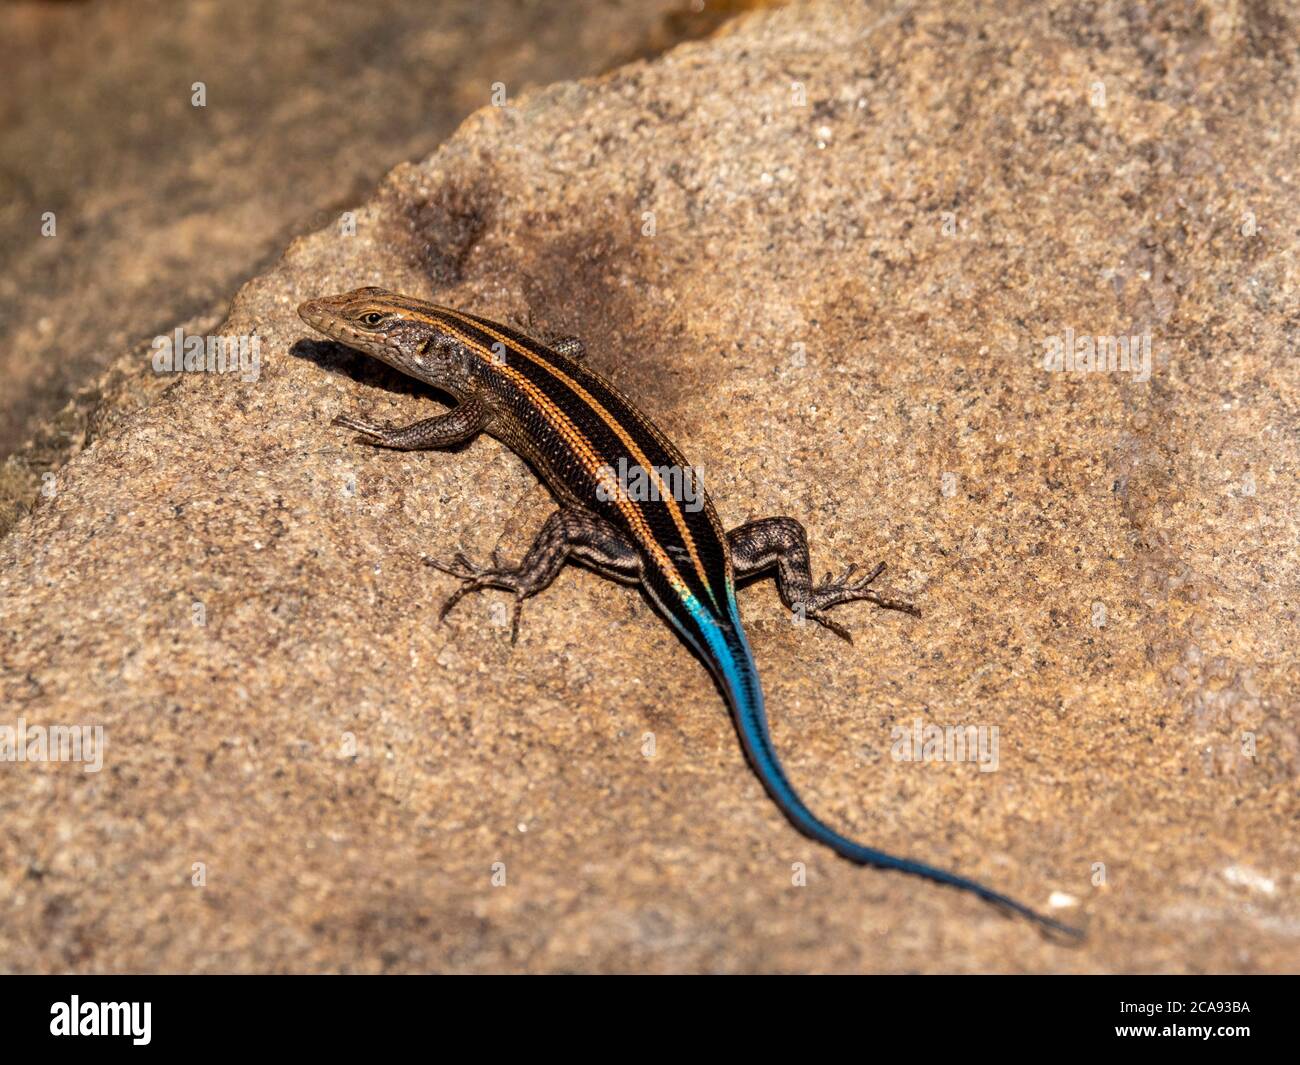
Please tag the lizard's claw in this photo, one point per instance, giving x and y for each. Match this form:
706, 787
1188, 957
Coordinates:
514, 618
460, 566
357, 425
834, 626
474, 578
842, 586
833, 591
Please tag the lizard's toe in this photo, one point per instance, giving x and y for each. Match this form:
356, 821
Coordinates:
834, 626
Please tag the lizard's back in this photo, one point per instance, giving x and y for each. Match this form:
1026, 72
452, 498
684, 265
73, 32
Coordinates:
594, 448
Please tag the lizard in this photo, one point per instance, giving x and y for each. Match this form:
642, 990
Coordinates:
575, 428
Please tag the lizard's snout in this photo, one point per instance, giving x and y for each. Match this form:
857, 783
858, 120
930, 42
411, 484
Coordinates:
311, 311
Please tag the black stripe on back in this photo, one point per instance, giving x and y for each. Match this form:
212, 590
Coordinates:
702, 524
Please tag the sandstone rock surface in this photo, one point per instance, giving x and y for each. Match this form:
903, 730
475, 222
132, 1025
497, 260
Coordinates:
163, 197
829, 250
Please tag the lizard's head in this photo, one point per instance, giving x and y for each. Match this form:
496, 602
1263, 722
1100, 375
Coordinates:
387, 325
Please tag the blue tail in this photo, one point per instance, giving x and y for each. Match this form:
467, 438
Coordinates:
733, 664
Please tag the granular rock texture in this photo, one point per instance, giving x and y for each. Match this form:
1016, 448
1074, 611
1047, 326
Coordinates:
856, 260
155, 155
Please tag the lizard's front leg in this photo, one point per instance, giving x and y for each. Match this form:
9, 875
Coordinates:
783, 543
569, 533
459, 424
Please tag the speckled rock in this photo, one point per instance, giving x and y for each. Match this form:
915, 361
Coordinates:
834, 252
163, 202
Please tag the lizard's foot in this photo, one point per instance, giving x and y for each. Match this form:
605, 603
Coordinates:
370, 430
475, 578
566, 533
833, 592
781, 542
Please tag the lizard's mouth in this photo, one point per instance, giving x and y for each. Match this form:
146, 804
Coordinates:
316, 315
323, 317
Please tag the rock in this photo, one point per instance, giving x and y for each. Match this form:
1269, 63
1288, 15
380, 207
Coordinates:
162, 198
831, 251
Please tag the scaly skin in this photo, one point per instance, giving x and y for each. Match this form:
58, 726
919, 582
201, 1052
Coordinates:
576, 429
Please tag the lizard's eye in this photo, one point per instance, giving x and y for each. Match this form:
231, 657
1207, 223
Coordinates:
373, 318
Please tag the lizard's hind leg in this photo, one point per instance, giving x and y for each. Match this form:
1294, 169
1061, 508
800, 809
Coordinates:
571, 533
782, 542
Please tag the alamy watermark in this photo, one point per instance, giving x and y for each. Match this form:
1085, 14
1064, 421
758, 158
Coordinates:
57, 743
920, 742
682, 483
1098, 354
179, 353
77, 1018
